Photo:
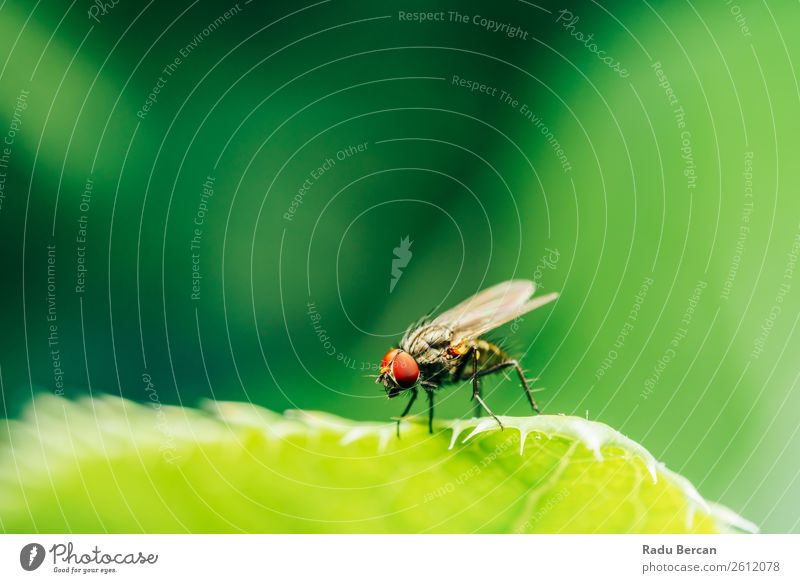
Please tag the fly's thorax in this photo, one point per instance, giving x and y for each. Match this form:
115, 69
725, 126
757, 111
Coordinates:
427, 344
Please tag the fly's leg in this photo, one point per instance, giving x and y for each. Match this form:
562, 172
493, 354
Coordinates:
521, 375
430, 410
407, 409
458, 375
476, 389
478, 403
472, 355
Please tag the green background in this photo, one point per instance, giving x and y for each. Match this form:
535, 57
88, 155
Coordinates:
273, 91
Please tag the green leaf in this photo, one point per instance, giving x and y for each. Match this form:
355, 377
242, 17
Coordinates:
109, 464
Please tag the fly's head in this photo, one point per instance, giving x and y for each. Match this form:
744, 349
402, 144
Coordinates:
399, 372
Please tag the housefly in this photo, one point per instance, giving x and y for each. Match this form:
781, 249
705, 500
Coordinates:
450, 348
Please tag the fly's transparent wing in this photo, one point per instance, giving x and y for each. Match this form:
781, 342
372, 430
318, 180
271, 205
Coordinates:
514, 292
491, 308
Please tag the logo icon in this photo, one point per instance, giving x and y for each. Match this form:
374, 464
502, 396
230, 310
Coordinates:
402, 255
31, 556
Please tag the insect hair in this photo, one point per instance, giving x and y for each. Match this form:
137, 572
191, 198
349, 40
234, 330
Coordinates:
423, 321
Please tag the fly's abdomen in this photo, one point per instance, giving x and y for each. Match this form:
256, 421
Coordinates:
489, 354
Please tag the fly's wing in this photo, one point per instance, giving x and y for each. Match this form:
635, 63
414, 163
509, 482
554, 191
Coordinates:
514, 292
491, 308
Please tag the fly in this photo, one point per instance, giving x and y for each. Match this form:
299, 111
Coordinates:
449, 348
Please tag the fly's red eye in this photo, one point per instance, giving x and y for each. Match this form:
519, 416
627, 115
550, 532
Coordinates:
387, 359
405, 370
